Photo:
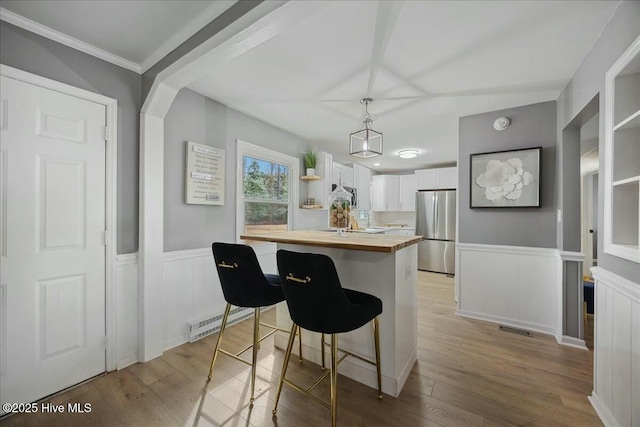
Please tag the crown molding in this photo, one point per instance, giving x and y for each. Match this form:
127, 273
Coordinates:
34, 27
216, 9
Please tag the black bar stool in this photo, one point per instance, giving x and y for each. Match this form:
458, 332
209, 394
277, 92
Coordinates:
317, 302
244, 285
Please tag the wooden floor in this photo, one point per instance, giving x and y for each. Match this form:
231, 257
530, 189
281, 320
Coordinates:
468, 374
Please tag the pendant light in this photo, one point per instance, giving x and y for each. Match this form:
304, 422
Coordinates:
366, 142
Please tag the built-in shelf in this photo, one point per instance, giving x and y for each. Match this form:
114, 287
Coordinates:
622, 156
310, 178
631, 122
311, 207
629, 181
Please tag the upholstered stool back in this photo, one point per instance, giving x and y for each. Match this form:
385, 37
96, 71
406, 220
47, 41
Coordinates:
243, 282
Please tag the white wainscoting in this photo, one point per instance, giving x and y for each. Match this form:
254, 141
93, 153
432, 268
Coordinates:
126, 285
191, 289
616, 390
511, 285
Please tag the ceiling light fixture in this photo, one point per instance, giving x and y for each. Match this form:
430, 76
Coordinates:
366, 142
408, 154
376, 164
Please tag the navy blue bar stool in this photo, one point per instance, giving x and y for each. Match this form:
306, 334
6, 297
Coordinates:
245, 285
318, 302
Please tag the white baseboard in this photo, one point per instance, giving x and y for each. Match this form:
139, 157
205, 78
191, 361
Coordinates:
127, 360
572, 342
534, 327
176, 341
603, 412
406, 369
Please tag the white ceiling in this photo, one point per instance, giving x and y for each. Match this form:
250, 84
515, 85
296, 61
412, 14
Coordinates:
140, 32
425, 63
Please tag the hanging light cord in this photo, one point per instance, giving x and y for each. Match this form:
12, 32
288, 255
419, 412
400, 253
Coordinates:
368, 117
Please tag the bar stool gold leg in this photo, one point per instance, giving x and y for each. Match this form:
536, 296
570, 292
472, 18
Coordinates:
376, 339
287, 355
299, 344
334, 380
256, 340
258, 325
219, 340
322, 350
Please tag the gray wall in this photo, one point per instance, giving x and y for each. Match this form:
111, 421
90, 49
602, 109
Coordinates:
193, 117
531, 126
587, 82
38, 55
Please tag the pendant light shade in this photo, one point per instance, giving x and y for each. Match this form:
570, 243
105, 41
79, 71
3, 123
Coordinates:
366, 142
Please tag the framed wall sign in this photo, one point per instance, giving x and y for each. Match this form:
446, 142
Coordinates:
204, 180
506, 179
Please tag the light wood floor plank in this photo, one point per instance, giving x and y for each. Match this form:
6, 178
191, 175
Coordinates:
468, 374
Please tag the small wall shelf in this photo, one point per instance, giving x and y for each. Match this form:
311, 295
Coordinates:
310, 178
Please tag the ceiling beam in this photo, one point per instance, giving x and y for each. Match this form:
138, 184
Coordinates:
386, 19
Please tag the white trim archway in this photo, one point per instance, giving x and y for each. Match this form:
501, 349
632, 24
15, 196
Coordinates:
260, 24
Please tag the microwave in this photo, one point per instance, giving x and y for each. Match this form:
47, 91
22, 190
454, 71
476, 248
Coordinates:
354, 194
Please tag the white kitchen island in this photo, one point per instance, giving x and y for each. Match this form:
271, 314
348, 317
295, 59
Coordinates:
382, 265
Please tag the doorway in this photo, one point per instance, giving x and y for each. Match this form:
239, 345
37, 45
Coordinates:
589, 167
53, 282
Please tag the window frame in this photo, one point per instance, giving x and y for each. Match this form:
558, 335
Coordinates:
243, 149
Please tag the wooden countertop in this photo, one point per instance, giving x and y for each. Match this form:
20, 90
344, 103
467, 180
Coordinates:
355, 241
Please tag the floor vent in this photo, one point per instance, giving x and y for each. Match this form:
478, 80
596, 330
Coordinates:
205, 326
515, 330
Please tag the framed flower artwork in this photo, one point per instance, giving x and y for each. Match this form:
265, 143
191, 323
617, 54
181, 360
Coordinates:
506, 179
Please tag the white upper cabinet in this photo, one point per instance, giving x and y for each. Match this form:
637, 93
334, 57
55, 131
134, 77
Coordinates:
393, 193
407, 190
345, 172
622, 156
385, 195
436, 179
362, 183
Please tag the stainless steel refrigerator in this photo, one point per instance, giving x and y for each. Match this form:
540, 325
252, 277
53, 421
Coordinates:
436, 222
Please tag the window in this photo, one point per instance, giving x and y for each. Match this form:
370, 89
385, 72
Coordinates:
265, 191
265, 182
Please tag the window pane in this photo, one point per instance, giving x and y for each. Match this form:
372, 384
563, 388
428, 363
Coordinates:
265, 217
265, 180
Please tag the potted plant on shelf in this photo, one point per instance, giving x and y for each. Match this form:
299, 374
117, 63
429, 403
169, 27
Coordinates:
310, 160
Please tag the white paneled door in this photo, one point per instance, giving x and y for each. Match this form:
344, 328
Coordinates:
52, 207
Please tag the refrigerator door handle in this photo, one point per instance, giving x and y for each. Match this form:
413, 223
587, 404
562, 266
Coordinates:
432, 220
436, 220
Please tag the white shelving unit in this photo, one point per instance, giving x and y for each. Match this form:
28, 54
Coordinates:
318, 186
622, 156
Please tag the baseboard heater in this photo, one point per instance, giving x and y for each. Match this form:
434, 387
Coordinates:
205, 326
